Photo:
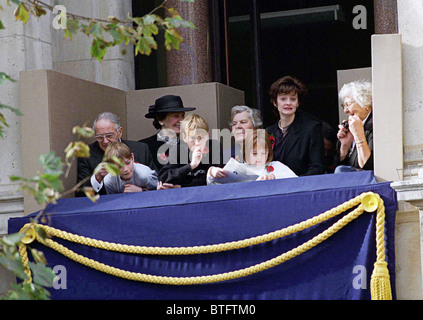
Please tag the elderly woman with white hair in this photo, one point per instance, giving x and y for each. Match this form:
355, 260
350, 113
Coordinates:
355, 135
242, 118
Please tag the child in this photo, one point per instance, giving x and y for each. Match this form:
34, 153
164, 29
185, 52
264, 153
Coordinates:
193, 156
133, 177
258, 155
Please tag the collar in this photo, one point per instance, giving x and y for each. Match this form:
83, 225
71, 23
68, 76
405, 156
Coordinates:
162, 137
364, 121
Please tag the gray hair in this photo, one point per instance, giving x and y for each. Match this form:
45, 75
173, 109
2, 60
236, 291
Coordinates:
108, 116
360, 91
253, 113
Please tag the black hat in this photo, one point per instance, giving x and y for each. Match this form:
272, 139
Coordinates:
168, 103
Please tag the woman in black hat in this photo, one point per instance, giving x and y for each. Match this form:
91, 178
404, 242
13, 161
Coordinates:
167, 112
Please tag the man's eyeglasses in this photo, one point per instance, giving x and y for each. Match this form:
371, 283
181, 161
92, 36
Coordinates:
108, 136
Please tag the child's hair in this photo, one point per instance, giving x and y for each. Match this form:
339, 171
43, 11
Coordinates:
118, 150
193, 122
254, 137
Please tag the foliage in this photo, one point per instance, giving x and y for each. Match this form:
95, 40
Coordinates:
46, 185
47, 188
106, 33
42, 276
3, 123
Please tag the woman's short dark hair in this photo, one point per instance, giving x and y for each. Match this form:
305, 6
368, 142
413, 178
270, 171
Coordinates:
159, 117
286, 85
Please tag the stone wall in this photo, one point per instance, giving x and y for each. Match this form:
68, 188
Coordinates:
37, 45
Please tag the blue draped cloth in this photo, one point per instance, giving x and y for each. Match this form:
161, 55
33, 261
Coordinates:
221, 213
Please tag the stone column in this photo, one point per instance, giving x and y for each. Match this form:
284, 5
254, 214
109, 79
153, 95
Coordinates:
191, 64
22, 47
386, 16
410, 190
410, 270
410, 25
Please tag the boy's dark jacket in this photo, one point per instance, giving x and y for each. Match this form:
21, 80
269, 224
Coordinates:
178, 169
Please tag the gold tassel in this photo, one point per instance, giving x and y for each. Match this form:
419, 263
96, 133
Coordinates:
380, 285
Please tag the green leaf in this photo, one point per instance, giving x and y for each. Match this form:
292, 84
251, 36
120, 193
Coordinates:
86, 132
38, 256
72, 27
53, 181
144, 45
98, 49
4, 76
42, 275
22, 13
15, 178
112, 169
12, 239
3, 120
2, 25
16, 111
150, 19
172, 39
15, 266
96, 30
51, 163
117, 36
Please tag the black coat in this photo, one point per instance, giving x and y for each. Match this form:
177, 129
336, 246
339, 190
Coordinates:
304, 147
178, 170
154, 145
86, 166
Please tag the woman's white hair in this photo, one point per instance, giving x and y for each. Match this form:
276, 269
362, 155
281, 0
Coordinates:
360, 91
253, 113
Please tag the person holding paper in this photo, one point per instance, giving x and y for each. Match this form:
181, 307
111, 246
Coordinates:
258, 154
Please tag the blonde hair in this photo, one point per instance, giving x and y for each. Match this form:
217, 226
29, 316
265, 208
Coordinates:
256, 137
193, 122
118, 150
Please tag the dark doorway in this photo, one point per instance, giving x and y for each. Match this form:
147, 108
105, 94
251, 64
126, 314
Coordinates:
150, 71
255, 42
308, 39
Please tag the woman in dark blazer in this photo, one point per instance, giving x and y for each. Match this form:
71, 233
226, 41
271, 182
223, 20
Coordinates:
168, 112
297, 137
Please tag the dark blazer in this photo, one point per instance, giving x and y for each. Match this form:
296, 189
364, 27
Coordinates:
352, 160
86, 166
153, 146
304, 146
178, 170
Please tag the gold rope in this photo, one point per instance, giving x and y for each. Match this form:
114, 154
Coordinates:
24, 258
380, 284
202, 249
230, 246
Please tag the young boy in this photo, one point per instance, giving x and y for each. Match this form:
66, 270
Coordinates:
133, 177
194, 155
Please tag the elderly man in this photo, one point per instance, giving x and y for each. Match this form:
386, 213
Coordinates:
108, 130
